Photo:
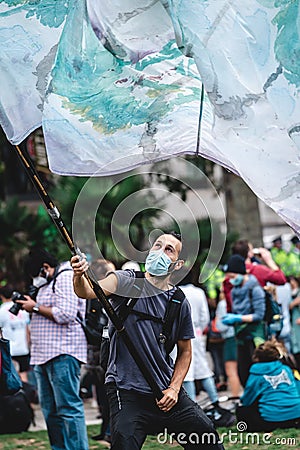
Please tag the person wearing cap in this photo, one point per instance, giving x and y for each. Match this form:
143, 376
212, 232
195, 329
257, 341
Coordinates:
248, 309
292, 263
279, 255
296, 241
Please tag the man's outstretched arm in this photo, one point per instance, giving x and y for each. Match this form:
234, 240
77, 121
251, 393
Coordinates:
82, 287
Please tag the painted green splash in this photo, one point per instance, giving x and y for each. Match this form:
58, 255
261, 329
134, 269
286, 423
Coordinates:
112, 93
287, 43
51, 13
14, 2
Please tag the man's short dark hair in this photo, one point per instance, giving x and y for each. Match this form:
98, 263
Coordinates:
6, 291
178, 236
35, 260
175, 234
240, 247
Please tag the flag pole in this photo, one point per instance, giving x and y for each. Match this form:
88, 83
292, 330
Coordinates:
200, 120
115, 319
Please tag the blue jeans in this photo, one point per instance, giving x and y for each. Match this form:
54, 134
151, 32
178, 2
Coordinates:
58, 383
190, 389
209, 386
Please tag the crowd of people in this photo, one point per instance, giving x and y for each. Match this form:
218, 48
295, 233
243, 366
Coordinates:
218, 339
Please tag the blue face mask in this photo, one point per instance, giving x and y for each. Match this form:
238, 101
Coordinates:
237, 281
157, 263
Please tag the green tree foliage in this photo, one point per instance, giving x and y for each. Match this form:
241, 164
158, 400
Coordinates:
99, 199
20, 230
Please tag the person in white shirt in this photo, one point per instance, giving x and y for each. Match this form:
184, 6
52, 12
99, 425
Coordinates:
199, 369
15, 328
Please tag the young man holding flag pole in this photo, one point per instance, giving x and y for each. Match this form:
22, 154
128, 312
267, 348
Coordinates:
135, 411
174, 405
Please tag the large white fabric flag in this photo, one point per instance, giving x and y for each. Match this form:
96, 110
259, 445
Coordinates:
246, 52
29, 33
124, 87
133, 96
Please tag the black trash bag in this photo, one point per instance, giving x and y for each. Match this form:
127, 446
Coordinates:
16, 414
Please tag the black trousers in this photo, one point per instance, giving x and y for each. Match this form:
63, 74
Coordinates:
135, 415
245, 351
250, 415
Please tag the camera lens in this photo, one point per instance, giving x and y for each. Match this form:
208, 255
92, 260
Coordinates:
15, 309
16, 306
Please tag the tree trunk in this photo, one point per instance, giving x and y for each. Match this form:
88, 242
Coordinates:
243, 216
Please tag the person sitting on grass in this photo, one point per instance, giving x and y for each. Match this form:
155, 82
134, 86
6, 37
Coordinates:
271, 399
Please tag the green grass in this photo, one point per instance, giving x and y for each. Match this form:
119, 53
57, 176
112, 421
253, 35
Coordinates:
279, 439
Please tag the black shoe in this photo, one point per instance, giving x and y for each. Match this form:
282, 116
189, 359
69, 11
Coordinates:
98, 437
107, 438
221, 387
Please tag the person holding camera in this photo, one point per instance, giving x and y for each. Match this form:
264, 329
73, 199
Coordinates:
15, 328
58, 348
259, 262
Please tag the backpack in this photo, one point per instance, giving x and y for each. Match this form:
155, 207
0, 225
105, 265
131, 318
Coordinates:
214, 336
172, 311
94, 320
273, 313
16, 414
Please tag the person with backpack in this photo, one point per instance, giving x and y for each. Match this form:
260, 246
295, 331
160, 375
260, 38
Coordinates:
135, 410
248, 310
58, 348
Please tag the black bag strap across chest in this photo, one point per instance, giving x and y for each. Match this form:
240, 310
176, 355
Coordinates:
135, 293
171, 313
55, 277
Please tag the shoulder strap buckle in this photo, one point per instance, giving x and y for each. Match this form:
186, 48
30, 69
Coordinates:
162, 338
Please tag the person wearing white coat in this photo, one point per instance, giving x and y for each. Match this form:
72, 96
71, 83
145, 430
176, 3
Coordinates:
199, 368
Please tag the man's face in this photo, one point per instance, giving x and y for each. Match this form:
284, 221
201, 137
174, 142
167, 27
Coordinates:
277, 244
169, 244
50, 270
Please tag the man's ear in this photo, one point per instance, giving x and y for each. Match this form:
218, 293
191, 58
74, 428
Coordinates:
179, 264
